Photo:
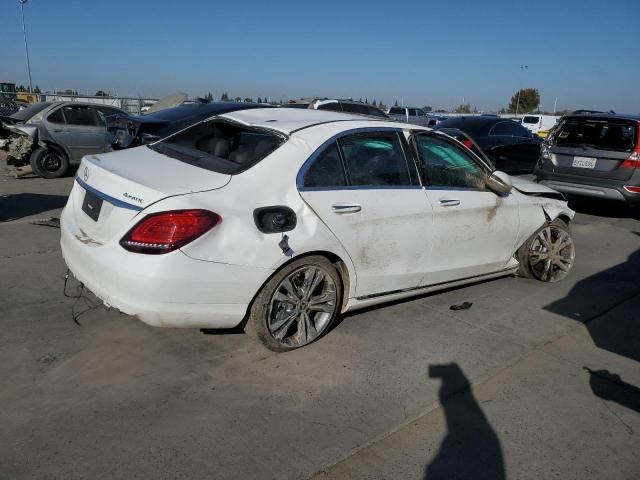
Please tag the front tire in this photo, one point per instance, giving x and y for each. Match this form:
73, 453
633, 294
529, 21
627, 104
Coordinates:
549, 253
297, 305
49, 162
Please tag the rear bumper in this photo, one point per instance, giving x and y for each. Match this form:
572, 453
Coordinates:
595, 188
171, 290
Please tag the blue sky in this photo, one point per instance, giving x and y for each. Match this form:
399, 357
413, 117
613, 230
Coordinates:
429, 53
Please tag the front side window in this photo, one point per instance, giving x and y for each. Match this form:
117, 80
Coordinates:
446, 165
220, 146
412, 112
80, 115
375, 159
326, 170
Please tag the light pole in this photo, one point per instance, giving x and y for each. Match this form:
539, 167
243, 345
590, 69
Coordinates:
522, 69
26, 47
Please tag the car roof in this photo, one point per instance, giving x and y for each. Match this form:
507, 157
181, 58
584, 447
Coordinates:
290, 120
618, 116
196, 110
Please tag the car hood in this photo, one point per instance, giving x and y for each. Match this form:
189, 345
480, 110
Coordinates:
552, 202
532, 188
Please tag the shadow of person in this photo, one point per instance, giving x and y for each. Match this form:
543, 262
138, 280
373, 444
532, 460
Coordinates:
471, 449
609, 386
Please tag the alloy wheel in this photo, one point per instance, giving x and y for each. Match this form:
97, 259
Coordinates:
551, 254
302, 306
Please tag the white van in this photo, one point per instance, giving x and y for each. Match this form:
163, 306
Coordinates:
539, 124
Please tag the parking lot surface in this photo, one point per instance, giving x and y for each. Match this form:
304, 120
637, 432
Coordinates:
534, 380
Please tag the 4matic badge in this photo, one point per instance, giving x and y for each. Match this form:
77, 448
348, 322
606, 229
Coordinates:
131, 197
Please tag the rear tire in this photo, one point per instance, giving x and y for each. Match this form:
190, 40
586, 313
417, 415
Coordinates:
549, 253
50, 162
297, 305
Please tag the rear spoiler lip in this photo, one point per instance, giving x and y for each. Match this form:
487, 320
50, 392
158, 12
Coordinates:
108, 198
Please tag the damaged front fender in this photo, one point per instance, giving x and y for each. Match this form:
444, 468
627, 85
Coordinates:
557, 209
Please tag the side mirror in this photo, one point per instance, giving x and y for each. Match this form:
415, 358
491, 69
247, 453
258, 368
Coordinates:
499, 182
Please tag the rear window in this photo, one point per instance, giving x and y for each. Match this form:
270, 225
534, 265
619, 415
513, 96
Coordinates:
531, 120
603, 134
333, 107
220, 146
25, 114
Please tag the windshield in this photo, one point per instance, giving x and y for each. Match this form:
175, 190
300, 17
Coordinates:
220, 146
30, 111
603, 134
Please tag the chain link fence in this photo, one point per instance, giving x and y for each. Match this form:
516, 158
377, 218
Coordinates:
11, 102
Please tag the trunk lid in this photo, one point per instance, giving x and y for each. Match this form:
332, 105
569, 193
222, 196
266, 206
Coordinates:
594, 147
110, 189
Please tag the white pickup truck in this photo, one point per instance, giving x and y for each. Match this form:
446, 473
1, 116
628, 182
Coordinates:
413, 115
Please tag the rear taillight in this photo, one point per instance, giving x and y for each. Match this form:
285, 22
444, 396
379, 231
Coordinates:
467, 143
634, 159
545, 151
631, 189
167, 231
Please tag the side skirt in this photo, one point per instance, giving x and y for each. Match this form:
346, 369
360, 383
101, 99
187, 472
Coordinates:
368, 301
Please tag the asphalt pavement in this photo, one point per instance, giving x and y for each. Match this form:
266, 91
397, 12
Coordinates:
533, 381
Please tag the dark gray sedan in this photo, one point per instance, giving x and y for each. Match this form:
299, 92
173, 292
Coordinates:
51, 136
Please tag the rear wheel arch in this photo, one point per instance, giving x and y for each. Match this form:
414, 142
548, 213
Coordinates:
257, 321
339, 264
336, 260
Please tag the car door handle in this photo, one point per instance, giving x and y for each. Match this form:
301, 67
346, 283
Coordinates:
449, 202
342, 208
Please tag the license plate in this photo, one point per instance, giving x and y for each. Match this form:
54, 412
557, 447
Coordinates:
584, 162
91, 205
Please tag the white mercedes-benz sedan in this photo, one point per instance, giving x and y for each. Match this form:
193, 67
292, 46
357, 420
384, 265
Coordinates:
282, 219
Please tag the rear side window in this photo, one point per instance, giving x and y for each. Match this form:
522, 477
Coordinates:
603, 134
396, 111
375, 159
509, 129
326, 170
220, 146
56, 116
